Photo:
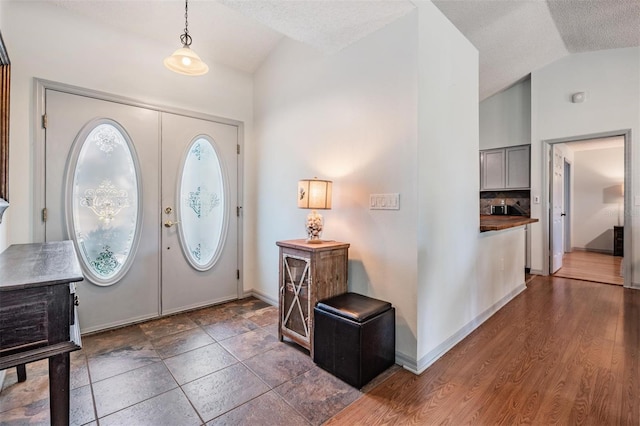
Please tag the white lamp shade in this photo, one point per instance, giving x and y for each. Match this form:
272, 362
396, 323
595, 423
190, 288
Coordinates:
314, 194
186, 61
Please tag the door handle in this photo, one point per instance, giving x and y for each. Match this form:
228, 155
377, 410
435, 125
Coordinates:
563, 214
169, 223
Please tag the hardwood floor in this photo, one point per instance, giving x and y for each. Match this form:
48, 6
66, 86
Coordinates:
590, 266
562, 352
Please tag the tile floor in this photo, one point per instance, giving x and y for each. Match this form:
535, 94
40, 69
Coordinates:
221, 365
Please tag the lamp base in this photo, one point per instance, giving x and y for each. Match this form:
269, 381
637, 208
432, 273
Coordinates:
314, 227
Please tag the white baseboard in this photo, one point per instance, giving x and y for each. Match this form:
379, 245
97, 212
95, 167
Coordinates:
407, 362
593, 250
262, 296
536, 272
431, 357
117, 324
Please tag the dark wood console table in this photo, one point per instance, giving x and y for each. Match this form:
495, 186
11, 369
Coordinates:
37, 314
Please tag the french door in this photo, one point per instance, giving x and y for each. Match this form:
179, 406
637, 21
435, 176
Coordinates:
199, 199
149, 200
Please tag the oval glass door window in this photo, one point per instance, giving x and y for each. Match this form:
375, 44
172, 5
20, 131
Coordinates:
202, 204
103, 194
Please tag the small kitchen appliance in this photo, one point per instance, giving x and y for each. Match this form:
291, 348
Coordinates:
499, 210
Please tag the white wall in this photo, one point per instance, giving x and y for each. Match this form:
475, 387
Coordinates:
48, 42
598, 175
611, 80
463, 276
500, 269
4, 226
395, 112
350, 118
505, 118
448, 175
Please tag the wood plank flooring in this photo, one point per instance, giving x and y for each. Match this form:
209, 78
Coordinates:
590, 266
562, 352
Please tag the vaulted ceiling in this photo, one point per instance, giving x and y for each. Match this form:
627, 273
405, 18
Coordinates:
514, 37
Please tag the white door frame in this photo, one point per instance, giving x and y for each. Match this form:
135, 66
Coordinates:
39, 202
568, 193
546, 202
556, 193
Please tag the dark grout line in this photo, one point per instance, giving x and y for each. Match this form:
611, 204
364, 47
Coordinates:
93, 396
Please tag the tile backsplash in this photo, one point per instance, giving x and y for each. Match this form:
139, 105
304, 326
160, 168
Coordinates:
521, 199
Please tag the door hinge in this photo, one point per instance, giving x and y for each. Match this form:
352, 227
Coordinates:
238, 273
238, 210
238, 149
44, 121
44, 214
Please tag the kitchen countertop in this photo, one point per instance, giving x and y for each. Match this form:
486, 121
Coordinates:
498, 223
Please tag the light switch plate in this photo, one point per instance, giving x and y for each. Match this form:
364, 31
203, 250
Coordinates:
384, 201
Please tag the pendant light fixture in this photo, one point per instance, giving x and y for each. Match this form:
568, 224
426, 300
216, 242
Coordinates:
184, 60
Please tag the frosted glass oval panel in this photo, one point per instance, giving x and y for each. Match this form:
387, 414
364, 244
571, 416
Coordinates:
104, 201
202, 204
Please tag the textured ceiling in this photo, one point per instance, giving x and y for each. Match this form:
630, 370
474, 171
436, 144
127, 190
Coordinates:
588, 25
514, 37
325, 24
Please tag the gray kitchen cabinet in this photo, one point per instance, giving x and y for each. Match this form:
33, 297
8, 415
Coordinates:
518, 166
505, 168
492, 171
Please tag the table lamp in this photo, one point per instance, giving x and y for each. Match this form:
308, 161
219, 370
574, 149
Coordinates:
314, 194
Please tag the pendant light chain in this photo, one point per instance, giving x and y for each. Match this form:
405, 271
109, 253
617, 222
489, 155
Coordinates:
184, 60
185, 38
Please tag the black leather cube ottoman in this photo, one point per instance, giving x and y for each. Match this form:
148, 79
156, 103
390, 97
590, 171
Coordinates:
354, 337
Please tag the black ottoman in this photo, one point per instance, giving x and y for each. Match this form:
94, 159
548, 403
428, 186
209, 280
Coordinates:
354, 337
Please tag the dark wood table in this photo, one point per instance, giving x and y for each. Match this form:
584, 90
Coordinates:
37, 314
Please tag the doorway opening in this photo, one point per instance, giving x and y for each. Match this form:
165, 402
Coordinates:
587, 194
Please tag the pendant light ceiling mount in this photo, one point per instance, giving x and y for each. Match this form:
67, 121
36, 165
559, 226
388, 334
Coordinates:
184, 60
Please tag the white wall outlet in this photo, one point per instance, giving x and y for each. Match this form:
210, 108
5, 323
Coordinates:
536, 199
384, 201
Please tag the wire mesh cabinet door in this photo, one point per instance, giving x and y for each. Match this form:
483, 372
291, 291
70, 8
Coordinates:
294, 297
308, 273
